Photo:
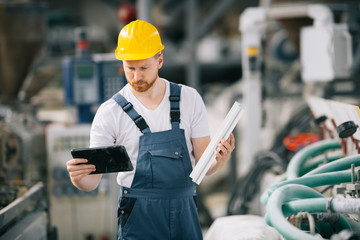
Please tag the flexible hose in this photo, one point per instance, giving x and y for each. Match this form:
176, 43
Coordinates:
281, 197
331, 177
316, 180
319, 160
298, 160
334, 205
311, 223
281, 201
275, 217
340, 164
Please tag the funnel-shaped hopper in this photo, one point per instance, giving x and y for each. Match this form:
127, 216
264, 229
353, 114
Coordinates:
22, 34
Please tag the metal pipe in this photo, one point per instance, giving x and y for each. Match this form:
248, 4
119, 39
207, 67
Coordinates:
192, 67
213, 16
144, 9
16, 208
345, 205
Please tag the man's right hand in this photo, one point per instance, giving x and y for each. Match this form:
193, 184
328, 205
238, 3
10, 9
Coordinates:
78, 171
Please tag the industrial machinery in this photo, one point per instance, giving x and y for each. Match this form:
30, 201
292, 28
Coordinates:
318, 196
23, 205
309, 187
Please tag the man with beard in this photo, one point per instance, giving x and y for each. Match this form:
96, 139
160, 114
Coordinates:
164, 127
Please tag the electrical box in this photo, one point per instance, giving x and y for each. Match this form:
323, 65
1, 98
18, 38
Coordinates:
82, 83
89, 81
77, 214
326, 52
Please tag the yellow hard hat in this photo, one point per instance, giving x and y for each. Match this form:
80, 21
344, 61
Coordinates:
138, 40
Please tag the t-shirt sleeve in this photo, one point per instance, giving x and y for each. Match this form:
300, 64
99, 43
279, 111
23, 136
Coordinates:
102, 134
199, 126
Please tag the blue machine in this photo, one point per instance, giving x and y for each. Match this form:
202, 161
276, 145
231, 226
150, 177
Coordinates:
89, 81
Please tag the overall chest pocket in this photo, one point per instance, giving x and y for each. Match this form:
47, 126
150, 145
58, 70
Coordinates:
168, 167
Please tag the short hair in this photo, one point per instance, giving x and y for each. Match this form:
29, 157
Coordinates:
157, 55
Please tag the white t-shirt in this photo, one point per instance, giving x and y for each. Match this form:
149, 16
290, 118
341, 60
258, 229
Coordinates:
112, 126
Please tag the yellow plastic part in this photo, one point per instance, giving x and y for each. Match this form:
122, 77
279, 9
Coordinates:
252, 51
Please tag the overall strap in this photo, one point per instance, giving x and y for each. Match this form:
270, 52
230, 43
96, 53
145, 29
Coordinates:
175, 92
129, 109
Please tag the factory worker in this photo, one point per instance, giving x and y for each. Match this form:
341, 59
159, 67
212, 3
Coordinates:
164, 128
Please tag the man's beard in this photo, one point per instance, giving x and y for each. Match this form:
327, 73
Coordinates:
144, 85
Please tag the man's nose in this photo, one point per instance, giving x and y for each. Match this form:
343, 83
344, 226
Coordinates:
137, 75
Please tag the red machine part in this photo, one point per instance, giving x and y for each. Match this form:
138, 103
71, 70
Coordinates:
300, 140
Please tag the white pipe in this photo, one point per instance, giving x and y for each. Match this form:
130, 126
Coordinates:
250, 26
252, 16
321, 14
208, 157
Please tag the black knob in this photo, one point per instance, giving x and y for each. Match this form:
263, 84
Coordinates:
346, 129
320, 120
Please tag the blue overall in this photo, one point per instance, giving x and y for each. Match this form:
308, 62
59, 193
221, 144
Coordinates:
161, 203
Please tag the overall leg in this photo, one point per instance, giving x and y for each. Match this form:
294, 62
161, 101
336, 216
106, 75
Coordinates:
148, 219
184, 220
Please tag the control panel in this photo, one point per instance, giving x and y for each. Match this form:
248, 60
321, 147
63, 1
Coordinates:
89, 81
81, 78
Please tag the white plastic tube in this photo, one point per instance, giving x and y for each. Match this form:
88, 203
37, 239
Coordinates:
208, 157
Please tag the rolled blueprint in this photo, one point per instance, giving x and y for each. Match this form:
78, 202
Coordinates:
208, 157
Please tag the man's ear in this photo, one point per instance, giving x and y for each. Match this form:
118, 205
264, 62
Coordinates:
160, 61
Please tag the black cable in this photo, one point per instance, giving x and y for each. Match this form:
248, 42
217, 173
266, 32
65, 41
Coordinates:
246, 187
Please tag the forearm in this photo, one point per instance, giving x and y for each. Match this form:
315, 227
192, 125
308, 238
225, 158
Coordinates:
87, 183
215, 167
222, 154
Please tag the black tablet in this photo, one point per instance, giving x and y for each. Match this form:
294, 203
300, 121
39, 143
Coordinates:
106, 159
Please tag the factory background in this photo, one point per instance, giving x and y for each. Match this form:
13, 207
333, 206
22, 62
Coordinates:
294, 67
